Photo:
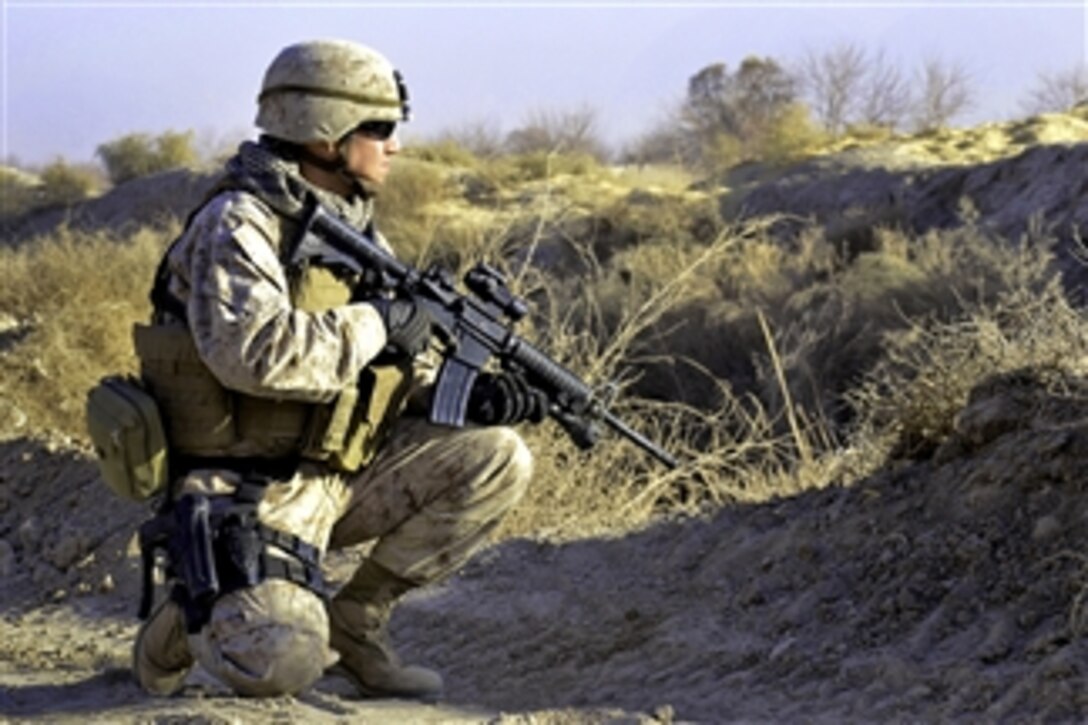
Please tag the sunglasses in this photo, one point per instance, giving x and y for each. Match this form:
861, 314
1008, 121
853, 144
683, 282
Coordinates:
377, 130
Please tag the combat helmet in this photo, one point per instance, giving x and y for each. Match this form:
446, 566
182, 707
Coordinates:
321, 90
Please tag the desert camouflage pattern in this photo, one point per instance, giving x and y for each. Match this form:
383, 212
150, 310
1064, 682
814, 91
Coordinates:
162, 658
321, 90
428, 500
433, 495
307, 505
227, 272
271, 639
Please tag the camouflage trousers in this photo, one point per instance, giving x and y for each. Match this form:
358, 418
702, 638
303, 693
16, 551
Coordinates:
428, 502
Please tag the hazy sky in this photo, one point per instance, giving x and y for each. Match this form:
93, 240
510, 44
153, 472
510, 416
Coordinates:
78, 73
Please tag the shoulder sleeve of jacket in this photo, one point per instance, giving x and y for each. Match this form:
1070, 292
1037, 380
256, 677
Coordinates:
242, 320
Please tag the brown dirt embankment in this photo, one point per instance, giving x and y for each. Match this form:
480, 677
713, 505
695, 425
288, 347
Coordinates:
938, 589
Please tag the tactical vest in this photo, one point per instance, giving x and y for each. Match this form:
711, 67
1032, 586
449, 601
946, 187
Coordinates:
205, 420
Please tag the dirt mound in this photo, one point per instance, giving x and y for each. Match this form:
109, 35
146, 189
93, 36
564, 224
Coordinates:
1006, 178
153, 200
937, 589
1002, 195
942, 588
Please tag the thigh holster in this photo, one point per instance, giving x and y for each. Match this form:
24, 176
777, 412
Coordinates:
213, 546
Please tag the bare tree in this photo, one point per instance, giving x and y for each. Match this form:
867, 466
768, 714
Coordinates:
944, 92
664, 142
1057, 91
833, 82
482, 137
885, 98
572, 131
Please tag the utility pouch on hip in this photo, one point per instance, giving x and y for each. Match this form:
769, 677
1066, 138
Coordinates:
126, 429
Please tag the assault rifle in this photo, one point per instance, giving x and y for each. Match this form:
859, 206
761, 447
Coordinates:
478, 326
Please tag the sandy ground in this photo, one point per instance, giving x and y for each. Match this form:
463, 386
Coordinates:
943, 589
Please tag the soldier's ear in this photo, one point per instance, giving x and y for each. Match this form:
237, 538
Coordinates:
322, 149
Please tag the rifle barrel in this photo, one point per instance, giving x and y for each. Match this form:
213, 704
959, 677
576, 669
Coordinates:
641, 441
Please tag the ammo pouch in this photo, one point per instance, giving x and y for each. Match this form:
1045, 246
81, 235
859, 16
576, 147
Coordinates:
348, 433
126, 429
205, 419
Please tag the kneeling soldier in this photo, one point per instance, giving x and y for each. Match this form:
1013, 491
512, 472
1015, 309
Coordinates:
288, 393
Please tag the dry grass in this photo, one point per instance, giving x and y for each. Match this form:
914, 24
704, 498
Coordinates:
74, 297
767, 365
910, 399
654, 177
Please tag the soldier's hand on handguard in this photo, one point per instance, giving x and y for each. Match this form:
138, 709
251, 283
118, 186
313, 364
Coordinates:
504, 399
408, 325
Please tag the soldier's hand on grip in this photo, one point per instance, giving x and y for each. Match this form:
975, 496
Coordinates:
504, 399
408, 325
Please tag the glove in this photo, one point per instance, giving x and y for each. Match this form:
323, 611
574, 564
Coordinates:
408, 325
504, 399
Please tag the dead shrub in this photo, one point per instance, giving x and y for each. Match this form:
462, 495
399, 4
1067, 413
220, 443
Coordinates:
911, 397
537, 165
404, 207
829, 316
444, 151
791, 135
19, 192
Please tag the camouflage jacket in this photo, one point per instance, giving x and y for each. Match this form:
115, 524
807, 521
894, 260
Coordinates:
226, 269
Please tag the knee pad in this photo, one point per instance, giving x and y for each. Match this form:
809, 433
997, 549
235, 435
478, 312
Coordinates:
268, 640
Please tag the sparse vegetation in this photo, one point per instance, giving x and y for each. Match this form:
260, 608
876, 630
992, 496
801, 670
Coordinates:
140, 154
1057, 91
74, 297
63, 184
881, 431
58, 183
758, 359
18, 191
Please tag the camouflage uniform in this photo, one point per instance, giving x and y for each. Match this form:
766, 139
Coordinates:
428, 499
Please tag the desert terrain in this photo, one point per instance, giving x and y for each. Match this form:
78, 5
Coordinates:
948, 581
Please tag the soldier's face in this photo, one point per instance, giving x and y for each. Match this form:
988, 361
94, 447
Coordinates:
370, 158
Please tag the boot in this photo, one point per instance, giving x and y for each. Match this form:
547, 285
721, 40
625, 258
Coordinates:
358, 617
161, 659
